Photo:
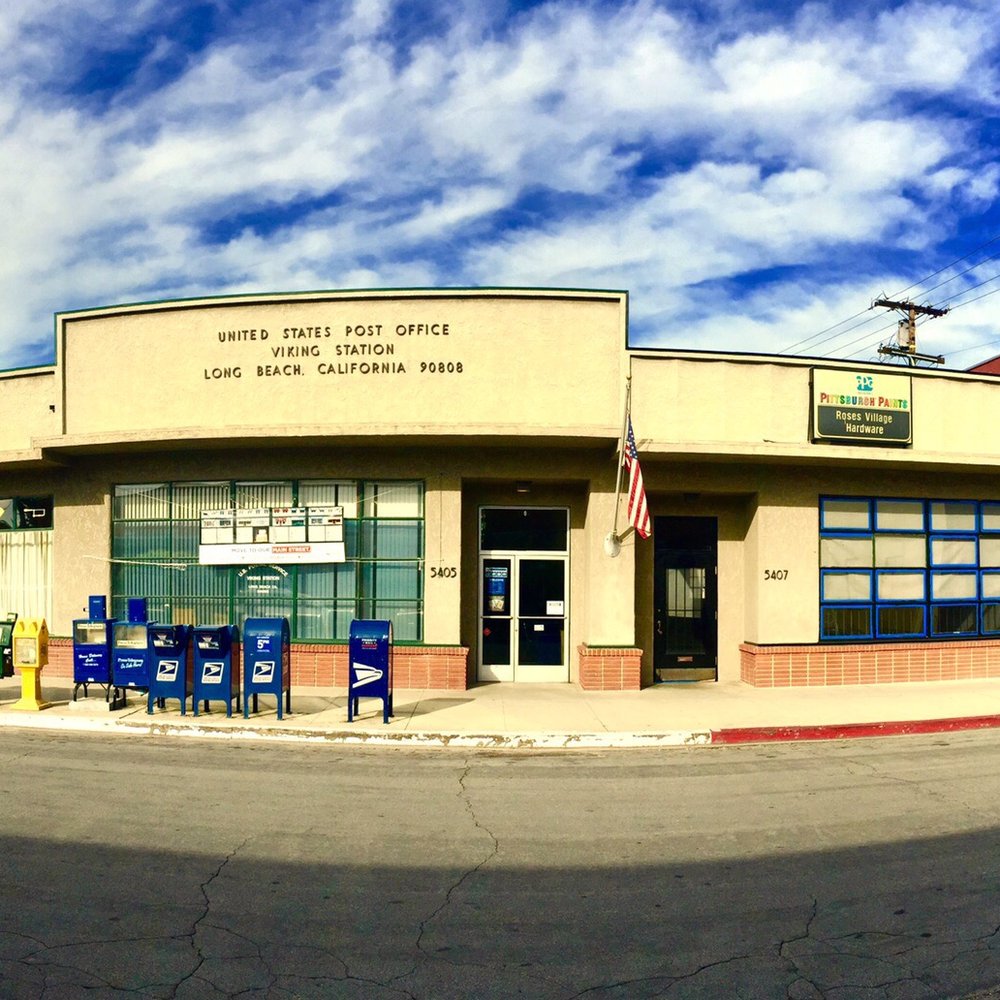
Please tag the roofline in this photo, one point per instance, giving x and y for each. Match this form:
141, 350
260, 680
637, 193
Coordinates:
322, 295
804, 361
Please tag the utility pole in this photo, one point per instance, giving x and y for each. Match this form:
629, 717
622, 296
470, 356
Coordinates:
906, 336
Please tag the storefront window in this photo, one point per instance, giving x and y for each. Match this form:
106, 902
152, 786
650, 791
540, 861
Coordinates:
903, 568
26, 556
155, 539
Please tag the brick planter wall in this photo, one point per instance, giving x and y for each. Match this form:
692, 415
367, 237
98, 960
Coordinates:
438, 667
868, 663
610, 668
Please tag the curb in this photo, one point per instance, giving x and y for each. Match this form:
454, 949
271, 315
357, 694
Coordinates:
852, 730
131, 726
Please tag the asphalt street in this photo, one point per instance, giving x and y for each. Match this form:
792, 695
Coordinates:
181, 868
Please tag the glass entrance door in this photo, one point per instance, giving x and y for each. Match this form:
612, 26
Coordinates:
523, 618
523, 594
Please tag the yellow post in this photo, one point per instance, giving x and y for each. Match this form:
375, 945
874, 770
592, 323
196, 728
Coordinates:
30, 654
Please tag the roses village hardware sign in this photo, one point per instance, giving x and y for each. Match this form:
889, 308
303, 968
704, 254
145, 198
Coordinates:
861, 407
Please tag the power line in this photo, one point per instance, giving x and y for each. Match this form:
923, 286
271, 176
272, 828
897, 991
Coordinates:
977, 298
788, 350
952, 264
980, 263
870, 333
816, 336
977, 347
971, 288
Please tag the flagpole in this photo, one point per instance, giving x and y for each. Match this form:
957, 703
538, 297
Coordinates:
613, 542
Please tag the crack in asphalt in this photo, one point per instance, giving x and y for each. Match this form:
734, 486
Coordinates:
40, 964
669, 981
202, 918
836, 947
921, 786
463, 793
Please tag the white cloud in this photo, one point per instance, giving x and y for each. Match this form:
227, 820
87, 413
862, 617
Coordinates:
771, 148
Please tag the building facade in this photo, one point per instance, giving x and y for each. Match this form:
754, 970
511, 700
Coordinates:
449, 460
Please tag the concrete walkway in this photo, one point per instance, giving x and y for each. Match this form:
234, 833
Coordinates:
547, 715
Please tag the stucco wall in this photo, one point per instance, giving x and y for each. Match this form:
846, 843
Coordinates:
402, 364
760, 407
29, 404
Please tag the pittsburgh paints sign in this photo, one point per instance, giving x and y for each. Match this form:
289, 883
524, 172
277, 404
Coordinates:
861, 407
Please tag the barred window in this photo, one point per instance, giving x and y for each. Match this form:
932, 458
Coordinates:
156, 531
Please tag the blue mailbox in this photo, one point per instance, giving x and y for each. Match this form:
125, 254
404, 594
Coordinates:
168, 664
92, 648
130, 648
370, 673
216, 676
266, 662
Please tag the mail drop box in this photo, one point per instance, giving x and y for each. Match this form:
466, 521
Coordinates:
168, 664
370, 672
130, 647
266, 662
7, 644
92, 647
216, 653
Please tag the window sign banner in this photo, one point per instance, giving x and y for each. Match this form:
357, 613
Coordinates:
272, 535
861, 407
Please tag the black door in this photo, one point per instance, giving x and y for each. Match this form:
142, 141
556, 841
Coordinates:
685, 623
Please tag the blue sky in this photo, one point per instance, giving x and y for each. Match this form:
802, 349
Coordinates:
752, 173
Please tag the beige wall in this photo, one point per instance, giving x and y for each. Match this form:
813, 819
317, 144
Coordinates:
159, 370
443, 539
781, 565
688, 400
29, 405
606, 601
761, 407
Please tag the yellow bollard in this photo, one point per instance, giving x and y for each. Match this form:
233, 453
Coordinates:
31, 653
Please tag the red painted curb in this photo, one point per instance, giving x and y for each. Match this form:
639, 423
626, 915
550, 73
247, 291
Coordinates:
852, 730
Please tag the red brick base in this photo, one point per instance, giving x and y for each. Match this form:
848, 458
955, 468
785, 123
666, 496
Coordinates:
605, 668
437, 667
868, 663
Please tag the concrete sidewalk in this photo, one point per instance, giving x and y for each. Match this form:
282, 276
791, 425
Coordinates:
506, 716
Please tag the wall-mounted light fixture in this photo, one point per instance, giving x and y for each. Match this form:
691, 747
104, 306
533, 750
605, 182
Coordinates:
522, 486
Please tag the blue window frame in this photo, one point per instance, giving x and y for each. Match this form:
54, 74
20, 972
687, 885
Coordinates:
846, 621
900, 515
896, 586
901, 621
954, 620
845, 514
989, 618
989, 518
903, 567
845, 586
954, 550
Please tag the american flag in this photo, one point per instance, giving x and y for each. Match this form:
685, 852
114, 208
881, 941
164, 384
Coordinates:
638, 512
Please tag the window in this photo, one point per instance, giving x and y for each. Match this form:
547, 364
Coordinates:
155, 536
903, 568
26, 556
